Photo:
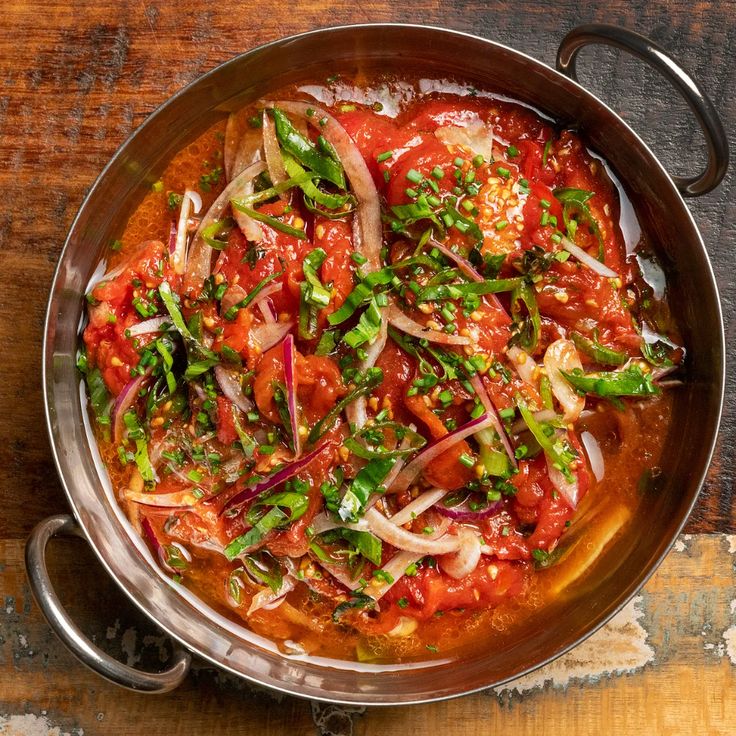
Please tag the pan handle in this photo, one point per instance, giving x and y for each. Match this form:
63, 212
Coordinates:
697, 100
70, 634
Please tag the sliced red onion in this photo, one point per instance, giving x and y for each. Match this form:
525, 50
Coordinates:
592, 263
267, 484
436, 448
395, 569
267, 310
124, 400
398, 319
155, 544
562, 355
268, 335
569, 490
267, 291
461, 563
477, 383
178, 258
229, 382
150, 325
525, 366
368, 212
289, 354
475, 136
463, 512
268, 599
398, 537
231, 297
172, 237
274, 160
463, 263
198, 264
179, 499
249, 150
418, 506
595, 456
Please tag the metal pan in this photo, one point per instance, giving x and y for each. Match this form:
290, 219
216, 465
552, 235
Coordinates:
629, 560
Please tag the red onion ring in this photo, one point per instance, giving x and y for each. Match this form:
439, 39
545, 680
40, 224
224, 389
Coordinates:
437, 447
256, 488
268, 335
124, 400
368, 211
398, 537
198, 264
462, 512
155, 544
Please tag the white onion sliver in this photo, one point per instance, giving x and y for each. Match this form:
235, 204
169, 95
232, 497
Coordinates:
272, 153
177, 499
268, 335
399, 320
461, 563
592, 263
341, 574
595, 456
229, 382
150, 325
200, 254
178, 258
269, 599
524, 364
429, 453
395, 569
562, 355
401, 539
324, 522
233, 131
417, 506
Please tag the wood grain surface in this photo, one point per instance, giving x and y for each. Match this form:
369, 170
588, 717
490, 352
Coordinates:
75, 81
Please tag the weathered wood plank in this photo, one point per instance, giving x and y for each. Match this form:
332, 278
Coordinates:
639, 673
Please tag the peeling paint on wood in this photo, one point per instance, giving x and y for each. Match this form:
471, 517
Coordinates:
620, 647
32, 725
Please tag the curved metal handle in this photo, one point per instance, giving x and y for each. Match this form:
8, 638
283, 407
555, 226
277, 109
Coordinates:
697, 100
69, 633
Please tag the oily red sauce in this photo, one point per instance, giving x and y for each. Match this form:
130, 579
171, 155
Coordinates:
535, 542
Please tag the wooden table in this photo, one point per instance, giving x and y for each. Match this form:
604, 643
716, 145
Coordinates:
75, 80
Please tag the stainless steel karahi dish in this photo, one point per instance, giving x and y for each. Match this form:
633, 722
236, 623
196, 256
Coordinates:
625, 564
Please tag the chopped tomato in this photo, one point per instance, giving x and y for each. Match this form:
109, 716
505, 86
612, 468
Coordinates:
431, 590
